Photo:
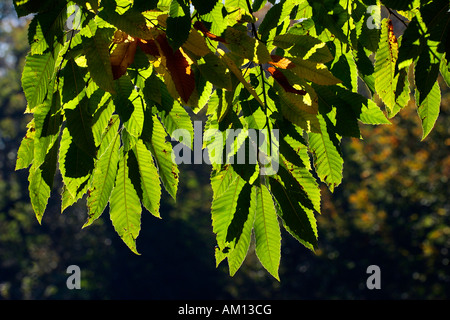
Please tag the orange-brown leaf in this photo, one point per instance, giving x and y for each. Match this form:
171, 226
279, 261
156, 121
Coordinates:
283, 81
122, 57
281, 62
178, 67
201, 27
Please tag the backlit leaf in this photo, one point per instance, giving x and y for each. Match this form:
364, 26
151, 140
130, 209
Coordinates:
428, 109
36, 78
267, 231
386, 58
96, 49
149, 178
325, 147
104, 175
125, 207
41, 181
154, 137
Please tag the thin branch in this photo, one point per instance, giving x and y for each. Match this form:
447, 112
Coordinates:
255, 33
398, 18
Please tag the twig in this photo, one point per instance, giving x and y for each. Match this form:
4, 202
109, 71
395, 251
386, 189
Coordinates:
255, 33
398, 18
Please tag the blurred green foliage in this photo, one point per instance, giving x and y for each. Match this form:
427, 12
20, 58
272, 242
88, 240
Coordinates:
392, 210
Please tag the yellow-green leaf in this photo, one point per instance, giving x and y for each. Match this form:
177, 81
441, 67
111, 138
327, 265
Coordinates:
125, 207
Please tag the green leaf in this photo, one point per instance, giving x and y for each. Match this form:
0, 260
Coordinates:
307, 183
370, 36
236, 4
313, 71
429, 108
36, 77
223, 209
41, 181
361, 108
73, 81
423, 43
241, 44
215, 71
386, 59
149, 179
271, 19
76, 168
444, 68
333, 21
216, 18
294, 109
79, 124
267, 232
136, 122
426, 71
25, 154
304, 47
101, 120
345, 68
326, 151
104, 174
47, 28
297, 219
228, 59
36, 38
154, 137
221, 179
96, 49
47, 122
130, 106
276, 16
411, 43
172, 113
131, 21
295, 158
240, 229
125, 207
402, 92
436, 16
175, 117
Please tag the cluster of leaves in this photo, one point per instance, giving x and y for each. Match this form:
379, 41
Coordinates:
109, 81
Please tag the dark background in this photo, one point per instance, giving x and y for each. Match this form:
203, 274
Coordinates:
391, 210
